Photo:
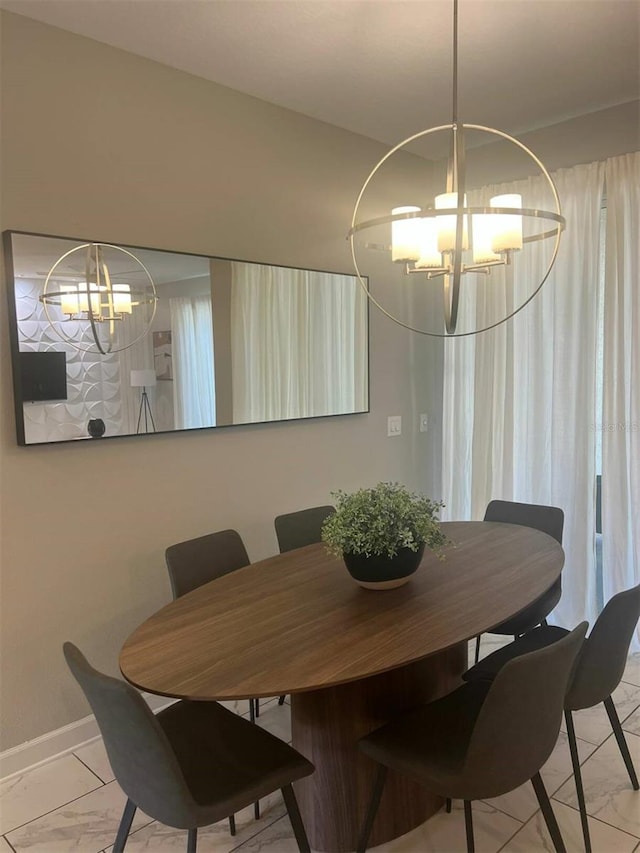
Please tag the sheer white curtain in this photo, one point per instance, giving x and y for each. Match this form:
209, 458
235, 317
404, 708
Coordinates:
621, 380
193, 370
520, 400
298, 343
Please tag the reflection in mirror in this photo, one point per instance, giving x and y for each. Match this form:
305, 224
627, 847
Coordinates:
232, 342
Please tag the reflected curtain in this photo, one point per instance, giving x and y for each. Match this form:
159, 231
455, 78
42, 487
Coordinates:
299, 343
193, 370
621, 380
520, 400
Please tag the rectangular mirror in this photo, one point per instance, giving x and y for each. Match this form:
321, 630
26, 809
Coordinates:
219, 342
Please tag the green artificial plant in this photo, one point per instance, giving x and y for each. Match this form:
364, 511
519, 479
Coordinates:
382, 520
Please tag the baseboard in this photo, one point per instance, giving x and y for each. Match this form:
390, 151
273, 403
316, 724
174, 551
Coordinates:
53, 744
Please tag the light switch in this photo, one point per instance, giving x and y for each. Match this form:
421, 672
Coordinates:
394, 425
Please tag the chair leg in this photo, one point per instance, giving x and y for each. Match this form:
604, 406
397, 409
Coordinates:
257, 704
256, 810
468, 825
477, 657
448, 805
577, 775
192, 841
547, 813
376, 794
622, 743
296, 821
125, 825
252, 711
232, 824
281, 700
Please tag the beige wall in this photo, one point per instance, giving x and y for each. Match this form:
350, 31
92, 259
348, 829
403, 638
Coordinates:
97, 143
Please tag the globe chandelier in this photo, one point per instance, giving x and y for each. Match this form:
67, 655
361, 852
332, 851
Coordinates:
103, 312
447, 240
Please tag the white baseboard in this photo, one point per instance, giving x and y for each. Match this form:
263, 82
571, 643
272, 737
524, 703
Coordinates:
53, 744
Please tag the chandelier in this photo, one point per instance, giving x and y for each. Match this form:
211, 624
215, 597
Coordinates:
448, 239
105, 311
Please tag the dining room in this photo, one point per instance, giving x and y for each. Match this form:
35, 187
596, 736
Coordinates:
108, 135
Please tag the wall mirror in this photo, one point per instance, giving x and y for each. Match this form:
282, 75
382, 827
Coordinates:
230, 342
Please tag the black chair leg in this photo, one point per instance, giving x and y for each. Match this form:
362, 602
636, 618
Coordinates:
577, 775
257, 706
125, 825
477, 658
622, 743
296, 821
281, 700
376, 794
252, 711
256, 809
468, 825
448, 805
232, 824
547, 813
192, 841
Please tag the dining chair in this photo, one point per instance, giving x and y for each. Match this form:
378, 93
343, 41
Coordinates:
548, 519
598, 671
300, 528
482, 740
195, 562
190, 765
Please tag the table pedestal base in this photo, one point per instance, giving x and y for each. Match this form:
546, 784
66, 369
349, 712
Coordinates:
326, 725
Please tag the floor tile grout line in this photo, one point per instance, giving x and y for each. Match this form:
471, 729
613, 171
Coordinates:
90, 769
60, 806
255, 834
600, 820
9, 843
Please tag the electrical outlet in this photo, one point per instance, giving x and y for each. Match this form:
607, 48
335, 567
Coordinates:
394, 425
424, 423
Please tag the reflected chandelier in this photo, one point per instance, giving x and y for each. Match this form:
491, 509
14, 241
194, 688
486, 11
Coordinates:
100, 303
450, 238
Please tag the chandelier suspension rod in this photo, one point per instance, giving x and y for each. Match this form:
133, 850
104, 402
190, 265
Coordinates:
454, 110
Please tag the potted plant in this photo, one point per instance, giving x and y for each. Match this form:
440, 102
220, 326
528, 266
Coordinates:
382, 532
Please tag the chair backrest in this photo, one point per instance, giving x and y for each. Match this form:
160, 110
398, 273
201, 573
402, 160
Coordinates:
603, 657
304, 527
548, 519
519, 722
198, 561
141, 757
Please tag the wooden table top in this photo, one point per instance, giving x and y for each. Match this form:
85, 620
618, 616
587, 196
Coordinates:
298, 622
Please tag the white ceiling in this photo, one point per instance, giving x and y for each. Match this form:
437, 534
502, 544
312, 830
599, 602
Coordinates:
382, 68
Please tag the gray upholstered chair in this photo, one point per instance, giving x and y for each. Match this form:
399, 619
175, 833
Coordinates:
484, 739
598, 672
192, 764
304, 527
300, 528
195, 562
548, 519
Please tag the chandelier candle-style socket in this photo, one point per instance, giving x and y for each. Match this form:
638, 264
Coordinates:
451, 238
98, 302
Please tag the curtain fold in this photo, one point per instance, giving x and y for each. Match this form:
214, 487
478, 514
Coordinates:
621, 380
520, 400
193, 367
298, 343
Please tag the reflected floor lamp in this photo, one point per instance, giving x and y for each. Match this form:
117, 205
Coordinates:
144, 379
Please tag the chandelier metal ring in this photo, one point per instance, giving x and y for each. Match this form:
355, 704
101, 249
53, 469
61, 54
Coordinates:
452, 288
137, 295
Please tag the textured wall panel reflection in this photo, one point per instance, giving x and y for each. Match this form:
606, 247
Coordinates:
93, 381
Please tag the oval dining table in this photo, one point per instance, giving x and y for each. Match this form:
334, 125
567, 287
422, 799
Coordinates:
350, 658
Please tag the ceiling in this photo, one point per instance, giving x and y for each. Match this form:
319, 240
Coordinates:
382, 68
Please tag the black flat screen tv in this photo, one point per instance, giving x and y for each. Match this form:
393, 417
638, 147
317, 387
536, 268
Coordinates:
43, 376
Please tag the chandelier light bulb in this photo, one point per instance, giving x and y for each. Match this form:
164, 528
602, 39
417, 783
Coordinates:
405, 236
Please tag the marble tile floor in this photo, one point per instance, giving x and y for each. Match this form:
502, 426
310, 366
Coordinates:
72, 804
